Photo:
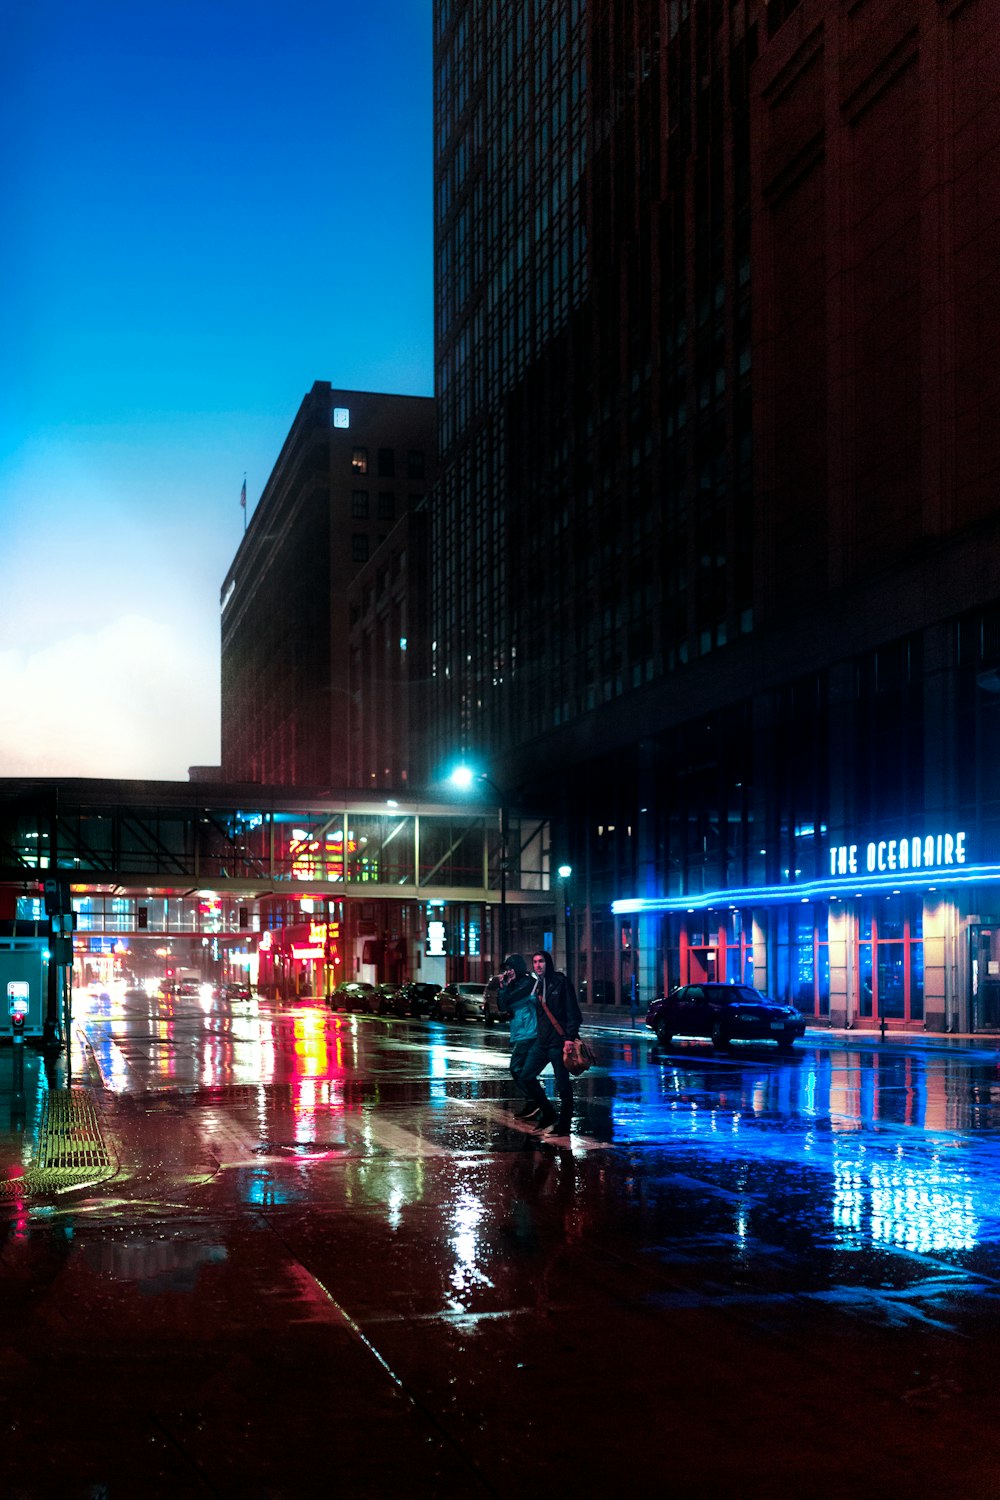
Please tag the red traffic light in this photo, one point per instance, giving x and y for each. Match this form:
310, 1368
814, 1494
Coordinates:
17, 1020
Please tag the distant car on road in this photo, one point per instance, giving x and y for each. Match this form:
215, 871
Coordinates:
724, 1013
354, 994
461, 1001
234, 992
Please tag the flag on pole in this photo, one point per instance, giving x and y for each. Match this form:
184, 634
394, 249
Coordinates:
243, 493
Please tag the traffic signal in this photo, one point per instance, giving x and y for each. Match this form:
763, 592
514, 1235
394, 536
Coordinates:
56, 896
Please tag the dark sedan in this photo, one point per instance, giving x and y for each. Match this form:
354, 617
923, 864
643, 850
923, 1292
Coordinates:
416, 997
387, 999
724, 1013
354, 994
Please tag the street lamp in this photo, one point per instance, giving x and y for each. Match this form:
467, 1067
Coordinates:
564, 872
465, 777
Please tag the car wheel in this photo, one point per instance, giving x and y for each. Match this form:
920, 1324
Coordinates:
786, 1045
663, 1034
719, 1037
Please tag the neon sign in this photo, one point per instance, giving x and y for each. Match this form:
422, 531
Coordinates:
933, 851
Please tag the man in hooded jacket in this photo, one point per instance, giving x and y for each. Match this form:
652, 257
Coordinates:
515, 999
556, 1003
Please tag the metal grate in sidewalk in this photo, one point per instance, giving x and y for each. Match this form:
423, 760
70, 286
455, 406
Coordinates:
70, 1151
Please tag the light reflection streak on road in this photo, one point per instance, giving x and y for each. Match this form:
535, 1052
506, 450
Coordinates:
893, 1182
465, 1216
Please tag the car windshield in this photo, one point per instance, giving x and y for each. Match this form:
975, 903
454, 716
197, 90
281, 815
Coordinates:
470, 989
734, 994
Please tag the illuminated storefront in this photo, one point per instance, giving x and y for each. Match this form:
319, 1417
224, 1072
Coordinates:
903, 931
293, 892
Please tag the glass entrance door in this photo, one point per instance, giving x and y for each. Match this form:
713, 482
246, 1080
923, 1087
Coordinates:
984, 977
889, 962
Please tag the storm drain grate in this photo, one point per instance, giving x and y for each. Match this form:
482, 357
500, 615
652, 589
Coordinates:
70, 1150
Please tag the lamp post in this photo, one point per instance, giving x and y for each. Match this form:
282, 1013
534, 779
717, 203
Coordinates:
565, 872
464, 777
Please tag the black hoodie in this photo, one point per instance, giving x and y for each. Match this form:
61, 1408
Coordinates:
560, 997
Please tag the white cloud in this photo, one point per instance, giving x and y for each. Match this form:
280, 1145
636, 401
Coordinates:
128, 699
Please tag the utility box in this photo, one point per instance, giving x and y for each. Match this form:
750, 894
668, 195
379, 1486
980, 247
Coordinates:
22, 964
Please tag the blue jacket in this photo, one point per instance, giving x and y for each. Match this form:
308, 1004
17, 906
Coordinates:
516, 998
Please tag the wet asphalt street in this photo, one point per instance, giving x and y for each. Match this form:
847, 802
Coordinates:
260, 1250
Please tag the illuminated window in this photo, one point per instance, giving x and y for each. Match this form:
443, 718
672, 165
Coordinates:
359, 461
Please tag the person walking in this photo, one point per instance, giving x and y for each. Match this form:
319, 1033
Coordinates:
558, 1023
515, 998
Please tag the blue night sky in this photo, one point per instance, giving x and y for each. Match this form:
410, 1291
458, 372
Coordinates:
208, 207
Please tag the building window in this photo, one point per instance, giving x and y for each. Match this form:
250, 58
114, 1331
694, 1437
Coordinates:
359, 461
359, 505
359, 547
387, 463
415, 464
802, 959
386, 506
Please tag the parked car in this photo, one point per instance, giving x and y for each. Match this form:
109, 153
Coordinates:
416, 997
354, 994
387, 998
460, 1002
725, 1013
492, 1014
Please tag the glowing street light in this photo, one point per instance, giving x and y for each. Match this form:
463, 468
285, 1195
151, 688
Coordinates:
464, 778
565, 872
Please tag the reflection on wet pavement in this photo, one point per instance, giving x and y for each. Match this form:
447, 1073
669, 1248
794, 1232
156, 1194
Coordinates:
839, 1150
283, 1168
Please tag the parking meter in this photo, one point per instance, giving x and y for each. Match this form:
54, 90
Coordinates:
17, 1007
18, 993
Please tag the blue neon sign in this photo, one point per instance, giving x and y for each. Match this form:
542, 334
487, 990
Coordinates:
874, 868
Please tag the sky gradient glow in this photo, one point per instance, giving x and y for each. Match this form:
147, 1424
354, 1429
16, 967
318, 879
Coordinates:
209, 206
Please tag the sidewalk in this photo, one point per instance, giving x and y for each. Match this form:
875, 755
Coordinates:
620, 1020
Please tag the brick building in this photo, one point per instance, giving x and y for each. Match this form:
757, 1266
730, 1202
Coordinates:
353, 463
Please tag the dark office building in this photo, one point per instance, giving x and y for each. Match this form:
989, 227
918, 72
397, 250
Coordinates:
390, 661
715, 549
352, 465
